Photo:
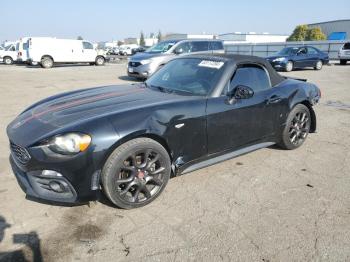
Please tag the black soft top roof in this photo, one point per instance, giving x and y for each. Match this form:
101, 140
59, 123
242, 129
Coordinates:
275, 77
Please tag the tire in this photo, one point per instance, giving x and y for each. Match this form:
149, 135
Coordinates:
46, 62
318, 65
136, 173
297, 128
289, 66
100, 60
343, 62
8, 60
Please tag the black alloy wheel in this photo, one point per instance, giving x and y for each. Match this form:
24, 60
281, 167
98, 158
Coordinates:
297, 127
136, 173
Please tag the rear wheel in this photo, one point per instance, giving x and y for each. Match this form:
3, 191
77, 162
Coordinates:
297, 127
99, 61
343, 62
136, 173
46, 62
289, 66
318, 65
8, 60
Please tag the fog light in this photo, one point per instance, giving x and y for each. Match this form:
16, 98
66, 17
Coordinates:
56, 186
50, 173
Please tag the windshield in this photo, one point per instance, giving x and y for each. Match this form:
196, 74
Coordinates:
288, 51
161, 47
187, 76
10, 48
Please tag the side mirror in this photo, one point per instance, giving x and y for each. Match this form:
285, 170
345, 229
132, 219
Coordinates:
240, 92
178, 51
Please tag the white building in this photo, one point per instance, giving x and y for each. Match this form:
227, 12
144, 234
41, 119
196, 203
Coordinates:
252, 37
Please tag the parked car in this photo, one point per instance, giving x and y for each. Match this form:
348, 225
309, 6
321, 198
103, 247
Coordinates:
127, 49
9, 54
113, 51
128, 140
139, 49
290, 58
344, 53
144, 64
49, 51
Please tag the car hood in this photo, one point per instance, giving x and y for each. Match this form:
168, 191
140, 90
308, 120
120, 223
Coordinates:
54, 114
277, 56
144, 55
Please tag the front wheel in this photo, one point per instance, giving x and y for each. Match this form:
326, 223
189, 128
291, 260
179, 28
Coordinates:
297, 127
8, 60
136, 173
343, 62
318, 65
289, 66
99, 61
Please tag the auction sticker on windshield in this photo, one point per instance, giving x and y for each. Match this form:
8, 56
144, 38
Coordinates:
211, 64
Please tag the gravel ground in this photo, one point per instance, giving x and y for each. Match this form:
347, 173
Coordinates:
269, 205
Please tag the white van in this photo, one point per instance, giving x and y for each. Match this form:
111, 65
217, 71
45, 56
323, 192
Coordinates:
47, 51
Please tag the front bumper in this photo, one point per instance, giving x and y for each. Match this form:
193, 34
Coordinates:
136, 69
278, 65
39, 187
74, 185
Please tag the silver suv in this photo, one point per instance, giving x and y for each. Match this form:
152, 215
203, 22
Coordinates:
344, 53
142, 65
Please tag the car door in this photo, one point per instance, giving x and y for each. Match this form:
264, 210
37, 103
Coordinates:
88, 52
245, 121
313, 56
301, 59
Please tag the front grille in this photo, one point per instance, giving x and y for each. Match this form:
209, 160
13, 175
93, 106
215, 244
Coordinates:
134, 64
20, 153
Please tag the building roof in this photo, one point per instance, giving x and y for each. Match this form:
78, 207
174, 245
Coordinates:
333, 21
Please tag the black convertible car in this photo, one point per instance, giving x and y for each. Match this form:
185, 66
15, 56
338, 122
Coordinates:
127, 141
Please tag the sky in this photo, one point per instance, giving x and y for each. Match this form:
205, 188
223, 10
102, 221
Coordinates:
106, 20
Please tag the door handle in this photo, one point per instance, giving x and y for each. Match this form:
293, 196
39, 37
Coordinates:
273, 99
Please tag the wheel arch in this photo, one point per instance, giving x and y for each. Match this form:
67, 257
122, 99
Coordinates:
312, 113
47, 56
138, 134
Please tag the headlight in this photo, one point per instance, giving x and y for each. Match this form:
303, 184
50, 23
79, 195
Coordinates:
280, 59
71, 143
144, 62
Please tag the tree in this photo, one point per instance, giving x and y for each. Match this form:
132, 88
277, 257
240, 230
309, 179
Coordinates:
299, 33
119, 43
159, 36
315, 34
142, 39
79, 38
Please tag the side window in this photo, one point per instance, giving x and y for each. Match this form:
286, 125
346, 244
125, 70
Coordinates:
200, 46
302, 51
252, 76
346, 46
183, 48
87, 45
217, 45
312, 51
